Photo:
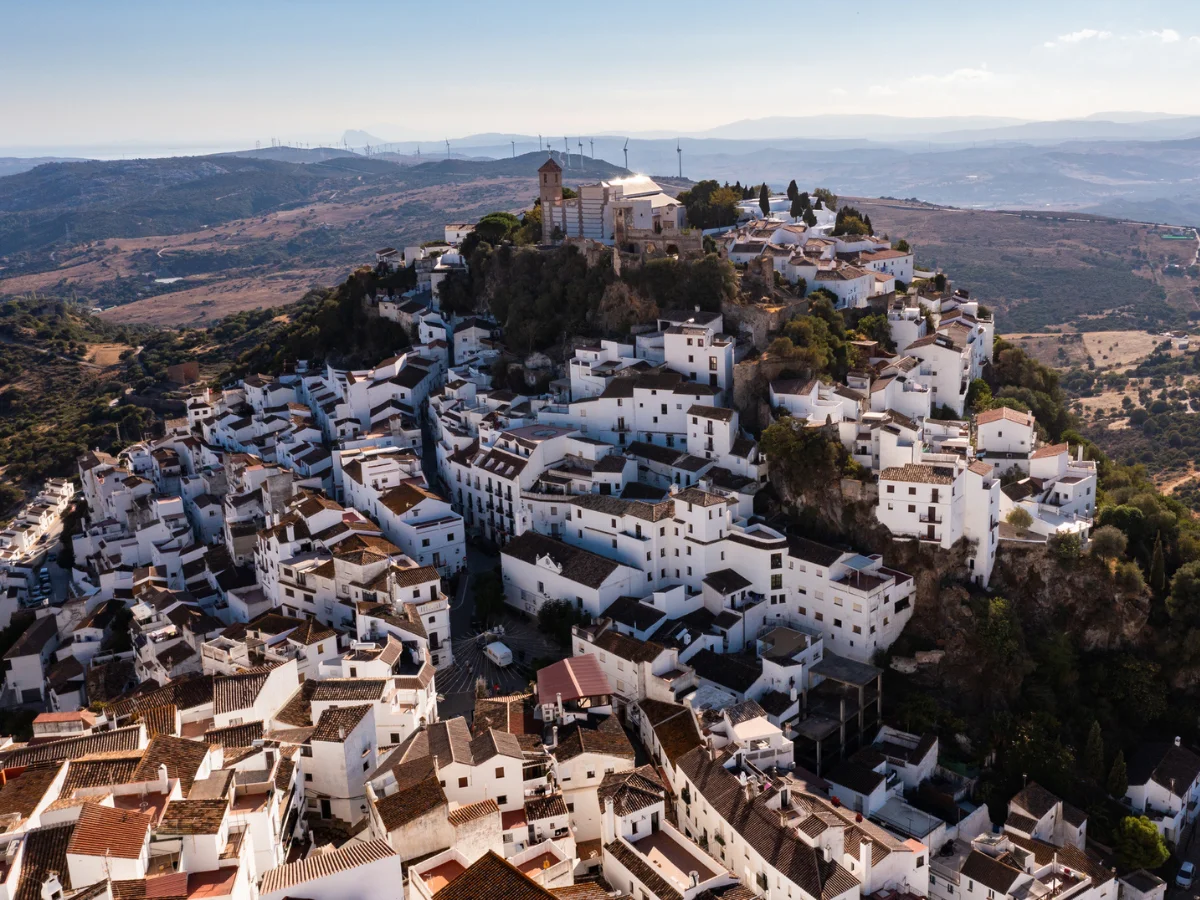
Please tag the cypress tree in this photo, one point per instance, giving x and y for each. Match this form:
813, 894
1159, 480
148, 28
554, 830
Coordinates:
764, 200
1158, 568
1093, 754
1118, 777
792, 191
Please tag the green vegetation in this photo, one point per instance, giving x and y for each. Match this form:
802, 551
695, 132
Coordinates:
1140, 845
326, 325
710, 205
850, 221
555, 618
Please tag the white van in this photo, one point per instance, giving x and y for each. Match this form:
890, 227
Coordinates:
498, 653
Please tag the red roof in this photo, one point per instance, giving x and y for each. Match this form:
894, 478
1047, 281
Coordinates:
574, 678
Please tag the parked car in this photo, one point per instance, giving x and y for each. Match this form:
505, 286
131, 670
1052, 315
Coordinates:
1186, 875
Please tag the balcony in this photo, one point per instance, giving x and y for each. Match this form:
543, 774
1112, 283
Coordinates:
930, 519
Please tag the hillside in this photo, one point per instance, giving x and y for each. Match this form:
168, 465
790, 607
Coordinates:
1043, 271
188, 240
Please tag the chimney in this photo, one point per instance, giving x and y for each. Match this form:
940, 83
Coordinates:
746, 791
792, 693
783, 799
163, 775
341, 732
558, 701
1177, 741
608, 822
865, 850
554, 736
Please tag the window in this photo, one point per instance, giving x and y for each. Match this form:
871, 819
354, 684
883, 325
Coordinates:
570, 807
820, 616
857, 629
462, 782
912, 508
776, 560
635, 826
837, 623
424, 542
912, 492
307, 776
891, 489
499, 771
591, 774
776, 582
366, 764
712, 364
541, 588
395, 737
920, 863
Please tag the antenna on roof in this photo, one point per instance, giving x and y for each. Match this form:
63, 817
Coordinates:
626, 148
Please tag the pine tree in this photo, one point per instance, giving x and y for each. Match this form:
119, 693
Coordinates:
792, 191
1093, 754
1158, 568
764, 200
867, 222
1118, 777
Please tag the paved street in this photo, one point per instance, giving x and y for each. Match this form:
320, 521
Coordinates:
456, 685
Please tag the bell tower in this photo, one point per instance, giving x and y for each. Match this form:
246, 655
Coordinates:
550, 192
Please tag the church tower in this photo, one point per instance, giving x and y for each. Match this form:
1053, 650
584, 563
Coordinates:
550, 192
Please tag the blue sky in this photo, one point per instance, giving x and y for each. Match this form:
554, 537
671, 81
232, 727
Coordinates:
78, 73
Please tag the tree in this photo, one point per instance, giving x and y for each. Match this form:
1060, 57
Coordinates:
764, 200
1158, 568
827, 197
1140, 845
555, 618
979, 395
496, 226
902, 246
809, 217
1183, 603
489, 597
1093, 754
1128, 578
1118, 777
1109, 542
793, 192
1019, 517
798, 209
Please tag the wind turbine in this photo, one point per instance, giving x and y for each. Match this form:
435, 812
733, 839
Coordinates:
679, 151
581, 154
593, 145
539, 143
626, 148
447, 148
567, 152
514, 143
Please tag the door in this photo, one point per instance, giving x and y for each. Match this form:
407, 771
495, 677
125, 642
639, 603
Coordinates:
653, 822
326, 810
931, 535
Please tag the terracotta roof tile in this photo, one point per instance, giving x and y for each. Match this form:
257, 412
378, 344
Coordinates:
321, 865
103, 830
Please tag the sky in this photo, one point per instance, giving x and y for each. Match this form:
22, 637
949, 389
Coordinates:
223, 75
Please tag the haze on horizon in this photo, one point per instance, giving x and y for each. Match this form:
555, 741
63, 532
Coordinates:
133, 74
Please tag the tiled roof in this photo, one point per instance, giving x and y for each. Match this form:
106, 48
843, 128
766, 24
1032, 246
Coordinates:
243, 735
297, 711
917, 473
159, 719
641, 870
20, 795
631, 791
1049, 450
73, 748
501, 713
677, 734
473, 811
1175, 768
606, 739
45, 852
726, 669
1003, 412
321, 865
363, 690
234, 692
1035, 799
760, 827
493, 878
574, 677
989, 872
194, 816
182, 758
630, 648
494, 743
545, 807
578, 565
101, 770
103, 830
336, 723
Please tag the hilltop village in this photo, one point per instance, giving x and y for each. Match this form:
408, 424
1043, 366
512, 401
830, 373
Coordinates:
301, 653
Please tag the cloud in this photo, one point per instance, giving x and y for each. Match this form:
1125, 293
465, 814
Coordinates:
968, 76
1077, 37
1167, 35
